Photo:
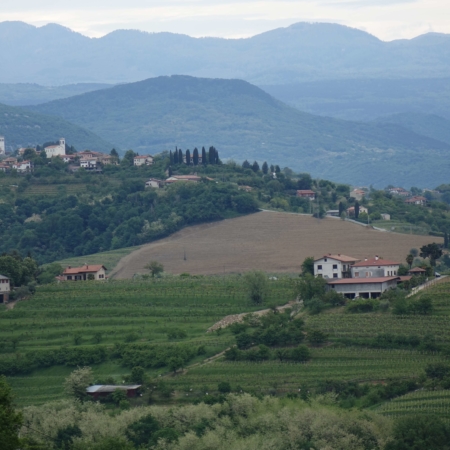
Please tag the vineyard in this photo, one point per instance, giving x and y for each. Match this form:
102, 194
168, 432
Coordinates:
91, 315
85, 315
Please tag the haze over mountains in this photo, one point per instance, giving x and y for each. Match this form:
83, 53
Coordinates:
244, 122
54, 55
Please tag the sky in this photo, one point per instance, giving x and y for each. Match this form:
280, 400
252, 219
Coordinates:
386, 19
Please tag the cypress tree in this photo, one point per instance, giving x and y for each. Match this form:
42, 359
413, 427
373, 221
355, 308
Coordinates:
175, 156
272, 168
446, 239
218, 161
246, 165
171, 157
211, 155
277, 169
341, 208
170, 171
188, 157
255, 167
356, 210
180, 156
265, 168
204, 162
195, 157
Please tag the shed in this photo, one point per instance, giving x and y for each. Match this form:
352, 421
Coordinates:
103, 390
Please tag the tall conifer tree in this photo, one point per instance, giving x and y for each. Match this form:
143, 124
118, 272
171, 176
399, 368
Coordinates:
265, 168
175, 156
204, 161
171, 157
195, 157
188, 157
180, 156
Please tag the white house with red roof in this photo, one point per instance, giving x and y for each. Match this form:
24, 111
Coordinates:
306, 193
56, 150
144, 160
86, 272
334, 266
375, 267
23, 166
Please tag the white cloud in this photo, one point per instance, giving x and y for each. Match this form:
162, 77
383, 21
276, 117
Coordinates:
387, 19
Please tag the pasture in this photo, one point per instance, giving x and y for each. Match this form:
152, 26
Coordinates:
268, 241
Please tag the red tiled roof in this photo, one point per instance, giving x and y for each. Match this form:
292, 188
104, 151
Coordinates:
405, 278
342, 258
376, 262
84, 269
305, 191
361, 280
417, 270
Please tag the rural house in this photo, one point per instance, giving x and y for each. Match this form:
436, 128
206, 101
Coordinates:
23, 167
56, 150
421, 201
351, 211
154, 183
101, 391
334, 266
176, 178
144, 160
5, 288
399, 191
357, 194
86, 272
375, 267
306, 193
4, 167
363, 287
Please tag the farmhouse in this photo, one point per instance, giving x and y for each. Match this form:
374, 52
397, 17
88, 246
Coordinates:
154, 183
101, 391
144, 160
358, 194
421, 201
306, 193
87, 272
351, 210
399, 191
334, 266
364, 287
56, 150
375, 267
24, 166
5, 288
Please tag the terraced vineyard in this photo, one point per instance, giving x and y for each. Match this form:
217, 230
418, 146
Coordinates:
145, 310
420, 402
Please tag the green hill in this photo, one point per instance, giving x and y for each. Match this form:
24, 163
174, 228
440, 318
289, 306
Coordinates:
22, 128
244, 122
32, 94
430, 125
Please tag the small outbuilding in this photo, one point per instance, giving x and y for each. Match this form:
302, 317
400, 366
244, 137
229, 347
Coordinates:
417, 271
103, 390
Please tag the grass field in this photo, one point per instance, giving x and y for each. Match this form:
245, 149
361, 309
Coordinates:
268, 241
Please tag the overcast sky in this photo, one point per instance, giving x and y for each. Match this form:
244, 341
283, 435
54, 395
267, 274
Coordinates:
386, 19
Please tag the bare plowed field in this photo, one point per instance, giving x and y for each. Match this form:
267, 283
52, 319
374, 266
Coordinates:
273, 242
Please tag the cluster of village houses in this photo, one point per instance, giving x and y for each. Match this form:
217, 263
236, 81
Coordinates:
355, 278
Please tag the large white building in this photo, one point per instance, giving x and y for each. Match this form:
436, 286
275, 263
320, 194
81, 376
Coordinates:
2, 145
375, 267
56, 150
363, 287
334, 266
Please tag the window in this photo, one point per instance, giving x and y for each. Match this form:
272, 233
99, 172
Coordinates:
69, 277
319, 267
335, 275
334, 266
101, 276
356, 274
325, 259
368, 274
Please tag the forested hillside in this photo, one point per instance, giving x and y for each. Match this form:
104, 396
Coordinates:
22, 128
246, 123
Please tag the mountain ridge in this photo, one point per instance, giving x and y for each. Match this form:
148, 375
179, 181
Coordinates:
300, 52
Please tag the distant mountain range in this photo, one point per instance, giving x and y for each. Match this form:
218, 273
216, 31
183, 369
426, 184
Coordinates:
244, 122
23, 128
54, 55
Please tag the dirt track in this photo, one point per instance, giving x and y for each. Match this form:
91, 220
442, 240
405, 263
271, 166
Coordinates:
273, 242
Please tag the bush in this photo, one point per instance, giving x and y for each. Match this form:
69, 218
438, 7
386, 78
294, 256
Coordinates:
224, 387
362, 306
176, 334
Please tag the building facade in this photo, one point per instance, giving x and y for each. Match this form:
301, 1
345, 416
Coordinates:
306, 193
87, 272
364, 287
5, 289
56, 150
334, 266
2, 145
375, 267
144, 160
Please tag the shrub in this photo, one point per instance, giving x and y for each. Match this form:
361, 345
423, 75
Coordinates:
224, 387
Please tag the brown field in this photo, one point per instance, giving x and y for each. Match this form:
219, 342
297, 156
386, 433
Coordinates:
268, 241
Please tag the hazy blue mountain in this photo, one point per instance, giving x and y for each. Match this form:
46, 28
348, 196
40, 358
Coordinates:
54, 55
32, 94
429, 125
244, 122
22, 128
367, 99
